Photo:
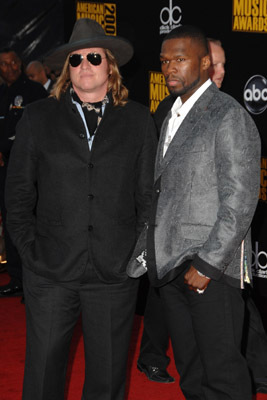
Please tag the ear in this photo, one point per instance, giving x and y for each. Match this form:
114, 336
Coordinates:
206, 62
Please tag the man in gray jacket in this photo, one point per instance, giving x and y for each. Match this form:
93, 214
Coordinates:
153, 359
198, 240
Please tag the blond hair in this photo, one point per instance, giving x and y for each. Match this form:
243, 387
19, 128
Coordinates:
115, 86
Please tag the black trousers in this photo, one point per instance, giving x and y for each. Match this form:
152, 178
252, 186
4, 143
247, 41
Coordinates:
206, 333
255, 339
52, 310
155, 338
14, 267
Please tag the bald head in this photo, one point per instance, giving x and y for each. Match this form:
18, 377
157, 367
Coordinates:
36, 72
217, 56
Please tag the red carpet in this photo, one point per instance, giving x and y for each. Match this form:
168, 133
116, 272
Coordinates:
12, 340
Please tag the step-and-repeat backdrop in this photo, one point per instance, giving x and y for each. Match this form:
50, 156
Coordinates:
34, 27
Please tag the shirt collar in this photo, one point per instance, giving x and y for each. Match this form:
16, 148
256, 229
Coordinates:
183, 108
47, 83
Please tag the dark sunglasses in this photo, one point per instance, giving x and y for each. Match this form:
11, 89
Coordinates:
93, 58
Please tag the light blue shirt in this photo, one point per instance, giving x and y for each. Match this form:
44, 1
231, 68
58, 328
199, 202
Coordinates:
90, 139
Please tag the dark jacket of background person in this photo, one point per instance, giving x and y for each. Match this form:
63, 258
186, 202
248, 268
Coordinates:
13, 99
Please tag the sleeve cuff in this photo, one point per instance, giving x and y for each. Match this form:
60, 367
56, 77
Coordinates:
205, 268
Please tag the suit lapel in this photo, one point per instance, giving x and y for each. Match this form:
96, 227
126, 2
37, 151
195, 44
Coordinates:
192, 119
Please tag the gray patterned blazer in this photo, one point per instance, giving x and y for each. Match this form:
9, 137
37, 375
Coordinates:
209, 184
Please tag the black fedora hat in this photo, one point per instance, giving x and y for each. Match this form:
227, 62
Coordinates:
88, 33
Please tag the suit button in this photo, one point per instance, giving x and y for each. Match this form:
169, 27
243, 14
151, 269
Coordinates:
157, 190
90, 228
90, 165
90, 196
82, 135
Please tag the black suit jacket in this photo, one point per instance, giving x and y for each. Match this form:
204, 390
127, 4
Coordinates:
68, 205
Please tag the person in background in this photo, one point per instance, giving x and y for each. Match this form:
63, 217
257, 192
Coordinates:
52, 72
36, 72
78, 193
198, 237
15, 93
217, 70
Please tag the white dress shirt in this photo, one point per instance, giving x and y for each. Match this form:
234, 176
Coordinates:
47, 83
179, 111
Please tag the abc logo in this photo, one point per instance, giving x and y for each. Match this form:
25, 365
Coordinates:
259, 258
255, 94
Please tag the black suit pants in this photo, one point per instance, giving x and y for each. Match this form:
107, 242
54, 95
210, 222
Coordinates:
206, 332
255, 340
52, 310
14, 267
155, 339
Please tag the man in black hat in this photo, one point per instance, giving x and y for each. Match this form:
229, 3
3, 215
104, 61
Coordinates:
15, 93
78, 191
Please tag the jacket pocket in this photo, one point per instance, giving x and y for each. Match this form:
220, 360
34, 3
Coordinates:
195, 232
49, 220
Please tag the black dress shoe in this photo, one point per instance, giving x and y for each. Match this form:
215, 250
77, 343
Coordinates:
260, 385
155, 374
12, 289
